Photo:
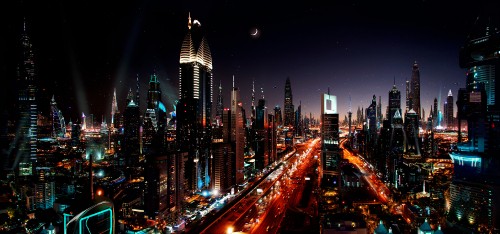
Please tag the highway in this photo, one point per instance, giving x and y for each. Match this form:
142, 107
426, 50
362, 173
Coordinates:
239, 214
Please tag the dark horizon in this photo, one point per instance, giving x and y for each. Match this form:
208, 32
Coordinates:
356, 49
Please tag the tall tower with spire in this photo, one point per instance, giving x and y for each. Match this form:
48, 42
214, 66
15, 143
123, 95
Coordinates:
289, 119
448, 111
114, 109
194, 115
415, 90
394, 103
28, 110
237, 134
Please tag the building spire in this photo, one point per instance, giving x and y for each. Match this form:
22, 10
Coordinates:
233, 81
189, 20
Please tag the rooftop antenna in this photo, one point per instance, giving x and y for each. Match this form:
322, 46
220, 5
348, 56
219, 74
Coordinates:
328, 91
233, 81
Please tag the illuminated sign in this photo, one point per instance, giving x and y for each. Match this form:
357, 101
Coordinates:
329, 104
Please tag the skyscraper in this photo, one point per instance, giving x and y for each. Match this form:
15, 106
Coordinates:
194, 116
289, 119
299, 128
114, 109
237, 134
219, 108
415, 90
131, 125
330, 153
28, 110
260, 144
448, 111
371, 120
58, 123
475, 189
394, 103
155, 119
278, 116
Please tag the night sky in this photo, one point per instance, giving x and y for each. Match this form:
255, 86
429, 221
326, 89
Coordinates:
84, 49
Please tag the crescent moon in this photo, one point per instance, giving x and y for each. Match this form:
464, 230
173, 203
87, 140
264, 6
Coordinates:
254, 34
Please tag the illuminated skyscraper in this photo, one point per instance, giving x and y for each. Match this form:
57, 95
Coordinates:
237, 134
155, 119
448, 111
114, 109
330, 150
260, 145
371, 120
58, 123
299, 128
411, 130
194, 116
28, 111
289, 118
220, 107
415, 90
394, 103
278, 116
475, 189
131, 125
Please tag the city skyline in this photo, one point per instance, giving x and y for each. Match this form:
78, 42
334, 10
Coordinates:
337, 51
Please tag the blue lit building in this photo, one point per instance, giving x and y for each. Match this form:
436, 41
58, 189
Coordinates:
96, 217
475, 189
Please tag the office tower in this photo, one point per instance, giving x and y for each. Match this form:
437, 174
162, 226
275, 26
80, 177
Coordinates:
411, 130
44, 192
415, 90
408, 97
380, 116
222, 165
194, 117
475, 188
271, 138
114, 109
371, 120
278, 116
237, 134
253, 114
220, 107
58, 123
449, 111
299, 128
159, 184
155, 119
26, 139
330, 153
260, 143
131, 137
396, 146
435, 114
289, 119
394, 103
